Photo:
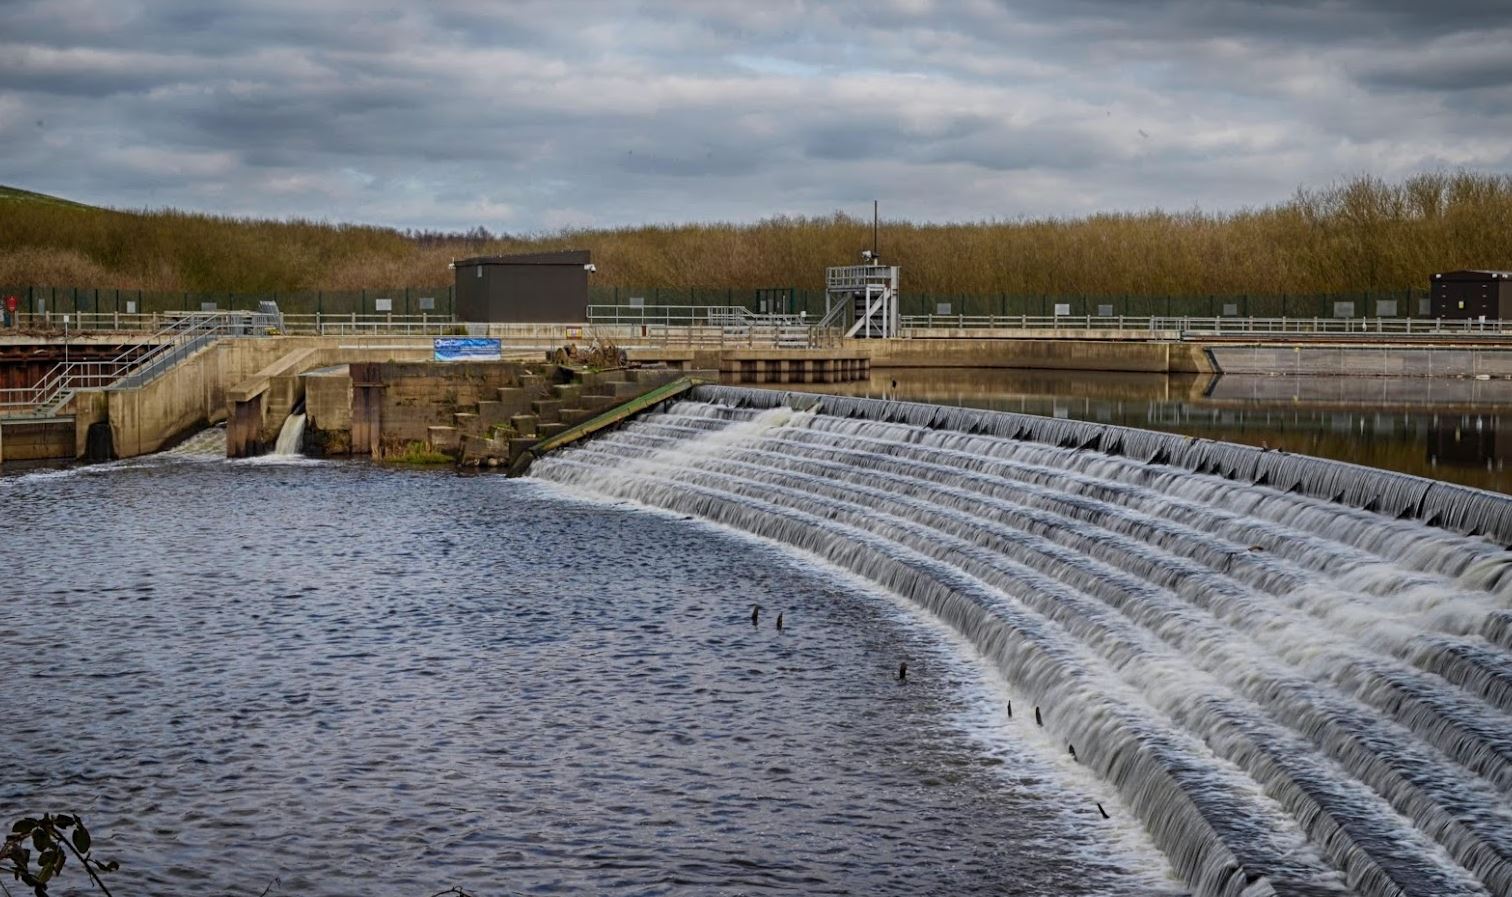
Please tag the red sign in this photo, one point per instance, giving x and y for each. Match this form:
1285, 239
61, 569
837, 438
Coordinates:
11, 303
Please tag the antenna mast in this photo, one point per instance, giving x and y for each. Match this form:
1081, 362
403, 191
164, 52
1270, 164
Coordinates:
875, 254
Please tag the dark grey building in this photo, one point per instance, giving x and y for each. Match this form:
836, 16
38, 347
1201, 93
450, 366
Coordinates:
1471, 294
536, 287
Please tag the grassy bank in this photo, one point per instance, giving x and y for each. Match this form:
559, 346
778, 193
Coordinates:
1365, 234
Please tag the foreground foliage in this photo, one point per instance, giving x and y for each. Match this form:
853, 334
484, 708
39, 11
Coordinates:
53, 837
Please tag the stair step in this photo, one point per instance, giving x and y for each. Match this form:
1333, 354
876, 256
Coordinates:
547, 410
439, 439
524, 424
490, 413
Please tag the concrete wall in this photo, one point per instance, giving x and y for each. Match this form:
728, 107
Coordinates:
1365, 361
197, 392
1043, 354
145, 419
328, 411
36, 440
418, 396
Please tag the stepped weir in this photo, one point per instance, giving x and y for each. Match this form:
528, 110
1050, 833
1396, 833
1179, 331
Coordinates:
1297, 673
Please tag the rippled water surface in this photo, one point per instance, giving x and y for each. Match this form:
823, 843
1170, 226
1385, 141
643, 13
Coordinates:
341, 679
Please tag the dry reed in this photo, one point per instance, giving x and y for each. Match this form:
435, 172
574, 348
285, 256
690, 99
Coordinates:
1363, 234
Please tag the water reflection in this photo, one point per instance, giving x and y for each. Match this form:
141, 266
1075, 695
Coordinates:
1443, 428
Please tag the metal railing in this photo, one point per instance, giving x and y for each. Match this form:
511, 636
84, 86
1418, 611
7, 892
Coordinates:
1200, 326
136, 364
858, 277
711, 325
297, 324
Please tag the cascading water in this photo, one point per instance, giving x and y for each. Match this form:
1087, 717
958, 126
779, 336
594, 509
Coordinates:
291, 435
1296, 686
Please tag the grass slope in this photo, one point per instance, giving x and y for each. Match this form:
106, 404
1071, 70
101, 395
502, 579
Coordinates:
17, 195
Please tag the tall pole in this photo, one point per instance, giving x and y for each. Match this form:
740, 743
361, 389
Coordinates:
875, 256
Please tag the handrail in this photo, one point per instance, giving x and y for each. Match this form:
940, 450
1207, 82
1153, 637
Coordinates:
135, 364
1199, 326
735, 324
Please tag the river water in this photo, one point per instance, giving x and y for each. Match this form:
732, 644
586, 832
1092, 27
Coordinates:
335, 678
1445, 428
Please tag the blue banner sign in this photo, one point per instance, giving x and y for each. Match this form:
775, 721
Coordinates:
461, 348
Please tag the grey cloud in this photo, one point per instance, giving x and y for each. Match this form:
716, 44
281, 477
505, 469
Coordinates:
545, 110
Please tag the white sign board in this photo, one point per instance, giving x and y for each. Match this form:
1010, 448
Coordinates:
1062, 308
383, 305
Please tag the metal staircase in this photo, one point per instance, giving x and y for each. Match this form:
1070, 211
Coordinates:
136, 364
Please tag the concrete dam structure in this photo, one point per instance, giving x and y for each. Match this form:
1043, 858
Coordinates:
1296, 673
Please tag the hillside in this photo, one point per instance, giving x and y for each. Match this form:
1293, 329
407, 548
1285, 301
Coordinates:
1364, 234
17, 195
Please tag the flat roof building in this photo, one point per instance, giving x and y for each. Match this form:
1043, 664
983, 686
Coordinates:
1471, 294
535, 287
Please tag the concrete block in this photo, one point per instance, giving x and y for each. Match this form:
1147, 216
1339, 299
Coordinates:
441, 439
566, 392
490, 413
548, 430
624, 391
547, 410
466, 421
524, 424
478, 449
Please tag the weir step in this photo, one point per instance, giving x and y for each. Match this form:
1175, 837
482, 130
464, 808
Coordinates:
548, 430
566, 392
466, 421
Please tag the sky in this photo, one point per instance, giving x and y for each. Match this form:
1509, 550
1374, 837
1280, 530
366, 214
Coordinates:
525, 117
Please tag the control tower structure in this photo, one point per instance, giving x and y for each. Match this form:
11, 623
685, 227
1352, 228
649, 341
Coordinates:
870, 292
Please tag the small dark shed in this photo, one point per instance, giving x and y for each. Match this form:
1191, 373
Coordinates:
537, 287
1472, 294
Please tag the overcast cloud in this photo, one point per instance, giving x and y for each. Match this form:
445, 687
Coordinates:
538, 115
